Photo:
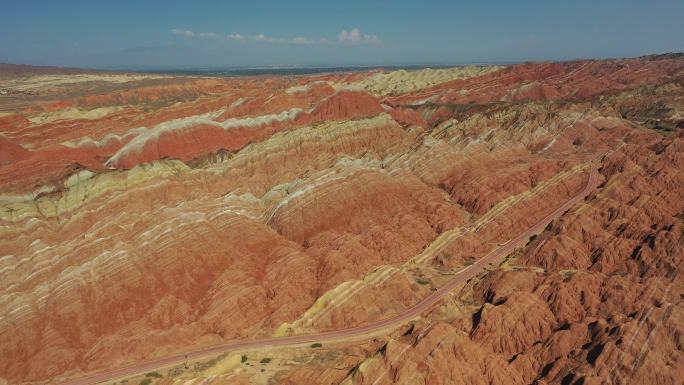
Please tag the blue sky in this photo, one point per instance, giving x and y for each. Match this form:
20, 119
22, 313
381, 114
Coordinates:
171, 33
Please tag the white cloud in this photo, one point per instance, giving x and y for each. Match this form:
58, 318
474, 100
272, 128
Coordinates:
191, 34
354, 36
301, 40
262, 38
304, 40
236, 37
183, 32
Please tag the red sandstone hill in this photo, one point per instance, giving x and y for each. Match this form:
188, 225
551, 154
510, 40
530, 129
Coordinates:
143, 216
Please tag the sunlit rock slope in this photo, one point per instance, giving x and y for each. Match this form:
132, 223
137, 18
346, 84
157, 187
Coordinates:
145, 215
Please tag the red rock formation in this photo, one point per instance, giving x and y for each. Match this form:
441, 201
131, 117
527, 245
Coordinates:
346, 105
408, 117
11, 152
164, 214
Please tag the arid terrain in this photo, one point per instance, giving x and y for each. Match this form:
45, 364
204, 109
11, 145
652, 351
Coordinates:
518, 224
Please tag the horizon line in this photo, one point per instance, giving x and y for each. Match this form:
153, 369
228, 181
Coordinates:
170, 68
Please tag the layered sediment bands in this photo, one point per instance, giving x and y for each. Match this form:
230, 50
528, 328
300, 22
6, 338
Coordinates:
188, 138
144, 288
184, 90
551, 81
408, 117
117, 265
402, 81
365, 219
144, 216
92, 192
256, 170
480, 194
516, 325
609, 275
517, 211
184, 137
336, 308
346, 105
350, 203
437, 353
293, 156
11, 152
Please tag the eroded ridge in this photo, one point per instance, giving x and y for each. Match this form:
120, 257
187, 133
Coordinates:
358, 228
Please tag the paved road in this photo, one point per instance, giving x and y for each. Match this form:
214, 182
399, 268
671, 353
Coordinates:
459, 279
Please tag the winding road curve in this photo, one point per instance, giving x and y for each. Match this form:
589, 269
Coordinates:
360, 331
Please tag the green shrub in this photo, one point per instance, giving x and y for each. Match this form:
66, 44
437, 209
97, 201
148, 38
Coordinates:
243, 359
146, 381
265, 360
204, 365
316, 345
177, 371
153, 374
422, 281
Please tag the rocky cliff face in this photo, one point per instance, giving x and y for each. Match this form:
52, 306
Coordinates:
143, 216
